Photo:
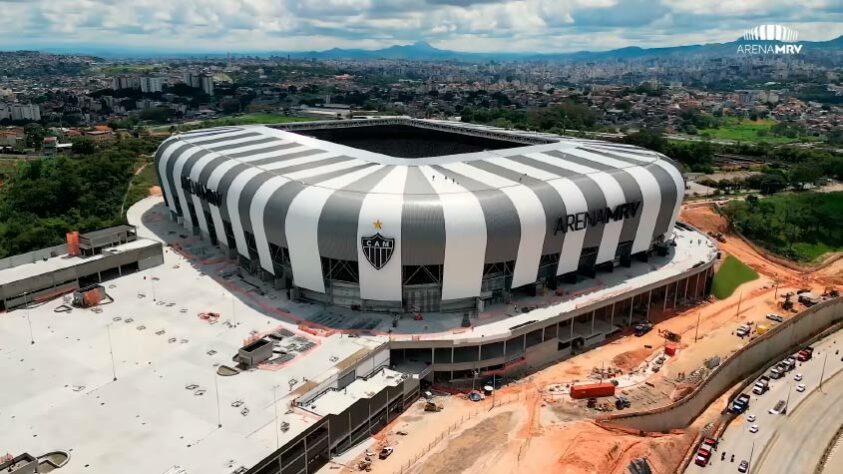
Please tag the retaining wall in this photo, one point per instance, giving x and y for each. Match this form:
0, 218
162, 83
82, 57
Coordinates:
779, 342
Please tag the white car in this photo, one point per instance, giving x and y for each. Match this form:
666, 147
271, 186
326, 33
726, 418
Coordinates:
753, 429
750, 418
797, 377
800, 387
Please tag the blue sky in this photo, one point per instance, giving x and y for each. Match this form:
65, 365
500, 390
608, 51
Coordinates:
465, 25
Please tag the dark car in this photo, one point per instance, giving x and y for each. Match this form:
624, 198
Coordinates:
385, 452
743, 466
643, 328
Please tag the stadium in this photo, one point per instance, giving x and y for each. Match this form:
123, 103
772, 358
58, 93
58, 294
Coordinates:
403, 215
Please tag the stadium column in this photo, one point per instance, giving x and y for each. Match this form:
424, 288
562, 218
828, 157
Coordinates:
649, 300
685, 296
612, 316
631, 307
593, 312
697, 286
676, 294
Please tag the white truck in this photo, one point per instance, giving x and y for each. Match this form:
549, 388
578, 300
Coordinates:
761, 385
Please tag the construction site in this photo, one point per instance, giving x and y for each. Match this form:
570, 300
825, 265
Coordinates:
189, 365
536, 424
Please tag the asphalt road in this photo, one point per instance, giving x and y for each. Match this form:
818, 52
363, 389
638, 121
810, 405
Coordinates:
799, 443
738, 440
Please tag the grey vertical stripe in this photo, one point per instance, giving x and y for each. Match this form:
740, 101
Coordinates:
338, 221
278, 204
334, 174
207, 132
594, 197
186, 172
269, 149
422, 222
666, 185
225, 183
246, 197
629, 186
554, 207
164, 146
503, 227
175, 181
221, 140
221, 147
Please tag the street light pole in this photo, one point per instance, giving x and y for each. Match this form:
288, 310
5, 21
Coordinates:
111, 352
31, 336
787, 402
749, 463
29, 321
740, 298
217, 389
822, 373
275, 405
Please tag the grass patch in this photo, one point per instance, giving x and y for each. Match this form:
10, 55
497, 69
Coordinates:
744, 130
126, 69
140, 184
256, 118
732, 274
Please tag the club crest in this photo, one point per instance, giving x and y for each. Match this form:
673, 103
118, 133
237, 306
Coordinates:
377, 249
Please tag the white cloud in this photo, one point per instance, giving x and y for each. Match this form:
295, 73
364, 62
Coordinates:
470, 25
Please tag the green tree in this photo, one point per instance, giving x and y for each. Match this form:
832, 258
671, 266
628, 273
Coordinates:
84, 146
34, 135
804, 174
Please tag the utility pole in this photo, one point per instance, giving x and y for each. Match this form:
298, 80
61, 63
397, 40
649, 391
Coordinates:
275, 405
787, 402
111, 352
822, 373
697, 331
29, 321
217, 390
749, 463
740, 298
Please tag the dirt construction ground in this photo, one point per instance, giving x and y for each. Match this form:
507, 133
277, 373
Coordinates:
532, 425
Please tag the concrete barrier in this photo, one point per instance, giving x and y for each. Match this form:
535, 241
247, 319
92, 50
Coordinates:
779, 342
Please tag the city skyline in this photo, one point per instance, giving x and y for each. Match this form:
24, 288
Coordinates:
539, 26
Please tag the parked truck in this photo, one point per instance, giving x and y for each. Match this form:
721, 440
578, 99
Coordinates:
740, 404
805, 354
761, 385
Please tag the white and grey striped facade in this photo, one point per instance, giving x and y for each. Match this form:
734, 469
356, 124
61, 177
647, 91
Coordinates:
463, 228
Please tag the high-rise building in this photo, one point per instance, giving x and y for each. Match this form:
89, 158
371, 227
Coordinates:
151, 84
26, 112
207, 83
204, 81
124, 82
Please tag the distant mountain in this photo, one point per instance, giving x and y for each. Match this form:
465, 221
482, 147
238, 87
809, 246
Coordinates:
424, 51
